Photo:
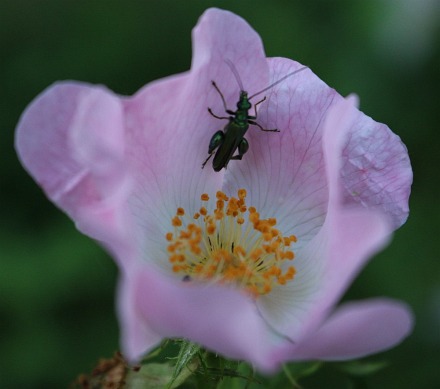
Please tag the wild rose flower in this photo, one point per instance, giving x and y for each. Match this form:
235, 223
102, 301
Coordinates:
249, 261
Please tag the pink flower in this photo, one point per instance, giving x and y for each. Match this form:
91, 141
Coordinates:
256, 275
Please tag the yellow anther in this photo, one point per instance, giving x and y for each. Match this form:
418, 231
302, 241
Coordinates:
275, 232
256, 254
179, 268
282, 280
221, 196
253, 217
267, 236
180, 212
242, 194
262, 226
218, 214
193, 227
195, 249
289, 255
176, 222
291, 271
275, 245
204, 197
210, 228
184, 235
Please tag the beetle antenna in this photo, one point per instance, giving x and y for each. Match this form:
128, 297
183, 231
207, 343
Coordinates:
234, 71
280, 80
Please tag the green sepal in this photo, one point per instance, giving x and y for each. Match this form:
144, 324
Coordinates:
186, 362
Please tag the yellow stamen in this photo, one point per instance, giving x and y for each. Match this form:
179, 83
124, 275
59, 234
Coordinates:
230, 245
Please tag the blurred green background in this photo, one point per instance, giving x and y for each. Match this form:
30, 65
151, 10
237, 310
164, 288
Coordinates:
57, 287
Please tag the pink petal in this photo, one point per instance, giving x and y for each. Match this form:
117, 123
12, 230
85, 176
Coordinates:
351, 234
328, 264
71, 140
136, 336
376, 170
325, 269
221, 319
61, 113
357, 329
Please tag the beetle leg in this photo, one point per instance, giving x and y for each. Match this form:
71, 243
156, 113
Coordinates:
261, 128
255, 107
207, 159
243, 147
216, 141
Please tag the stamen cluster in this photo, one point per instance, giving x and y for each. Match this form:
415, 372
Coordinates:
230, 245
